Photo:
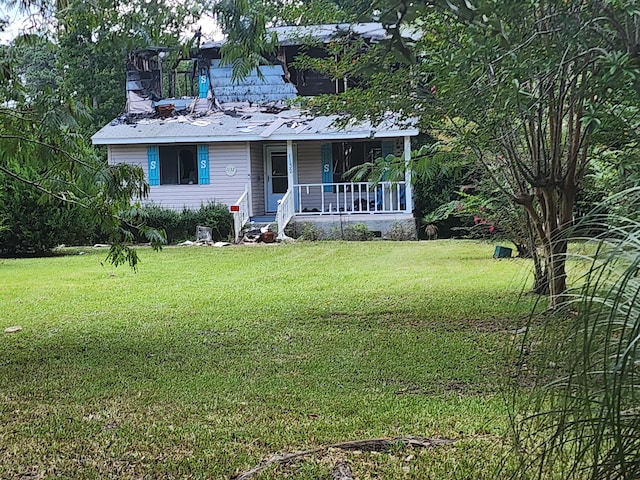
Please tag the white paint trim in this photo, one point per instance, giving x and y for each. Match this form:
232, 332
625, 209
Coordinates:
291, 181
327, 137
407, 175
248, 186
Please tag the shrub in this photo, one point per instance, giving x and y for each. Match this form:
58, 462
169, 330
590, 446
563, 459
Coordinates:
400, 232
180, 226
358, 232
33, 224
310, 232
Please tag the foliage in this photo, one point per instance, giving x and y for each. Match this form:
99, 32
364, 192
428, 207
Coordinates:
180, 226
245, 25
528, 98
297, 345
43, 149
356, 232
35, 63
400, 232
35, 223
310, 232
94, 39
584, 414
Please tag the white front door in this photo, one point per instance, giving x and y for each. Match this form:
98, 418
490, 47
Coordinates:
276, 175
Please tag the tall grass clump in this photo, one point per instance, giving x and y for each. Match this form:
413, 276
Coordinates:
582, 417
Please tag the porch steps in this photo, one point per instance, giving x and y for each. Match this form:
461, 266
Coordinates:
263, 219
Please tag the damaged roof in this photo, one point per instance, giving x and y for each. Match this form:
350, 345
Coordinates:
241, 123
296, 35
268, 87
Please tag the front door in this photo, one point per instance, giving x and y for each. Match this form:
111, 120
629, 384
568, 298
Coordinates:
277, 178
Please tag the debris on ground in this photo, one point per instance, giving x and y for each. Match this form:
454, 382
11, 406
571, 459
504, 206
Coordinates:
374, 444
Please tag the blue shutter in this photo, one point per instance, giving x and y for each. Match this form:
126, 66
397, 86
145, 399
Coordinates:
326, 154
153, 163
203, 165
203, 83
387, 149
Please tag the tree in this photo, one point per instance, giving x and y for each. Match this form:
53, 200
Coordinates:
94, 39
534, 90
42, 149
581, 417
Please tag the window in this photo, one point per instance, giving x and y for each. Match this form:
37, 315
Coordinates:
178, 165
347, 155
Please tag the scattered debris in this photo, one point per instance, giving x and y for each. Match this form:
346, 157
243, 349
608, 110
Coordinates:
374, 444
14, 329
203, 243
342, 471
262, 234
204, 234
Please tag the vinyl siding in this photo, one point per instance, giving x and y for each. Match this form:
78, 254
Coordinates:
257, 177
310, 171
223, 188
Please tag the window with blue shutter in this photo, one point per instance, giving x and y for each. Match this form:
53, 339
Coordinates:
153, 164
203, 165
326, 154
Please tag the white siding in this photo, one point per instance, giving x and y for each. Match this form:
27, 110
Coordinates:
310, 171
228, 189
257, 177
223, 188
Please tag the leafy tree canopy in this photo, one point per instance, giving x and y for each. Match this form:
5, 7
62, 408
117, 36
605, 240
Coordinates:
532, 90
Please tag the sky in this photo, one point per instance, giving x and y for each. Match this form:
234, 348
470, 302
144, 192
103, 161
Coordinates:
18, 22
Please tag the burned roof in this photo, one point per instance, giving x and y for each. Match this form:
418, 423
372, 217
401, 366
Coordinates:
241, 122
298, 35
266, 87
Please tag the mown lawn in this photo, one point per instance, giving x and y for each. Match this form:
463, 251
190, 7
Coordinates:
208, 360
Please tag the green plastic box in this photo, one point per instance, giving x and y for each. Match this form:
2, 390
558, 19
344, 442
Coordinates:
502, 252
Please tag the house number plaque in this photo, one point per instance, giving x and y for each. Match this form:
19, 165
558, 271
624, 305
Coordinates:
230, 170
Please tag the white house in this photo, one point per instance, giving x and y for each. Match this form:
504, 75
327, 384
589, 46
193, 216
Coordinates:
244, 145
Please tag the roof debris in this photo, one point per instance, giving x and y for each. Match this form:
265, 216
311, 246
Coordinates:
224, 109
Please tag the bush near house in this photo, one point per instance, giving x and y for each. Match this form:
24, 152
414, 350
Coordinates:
180, 226
33, 224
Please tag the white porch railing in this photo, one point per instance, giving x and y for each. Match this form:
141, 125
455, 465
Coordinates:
358, 197
240, 211
286, 211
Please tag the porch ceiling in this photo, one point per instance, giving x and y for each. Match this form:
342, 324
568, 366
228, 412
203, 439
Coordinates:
242, 123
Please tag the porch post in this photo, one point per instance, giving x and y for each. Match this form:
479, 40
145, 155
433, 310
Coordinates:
407, 175
248, 186
290, 168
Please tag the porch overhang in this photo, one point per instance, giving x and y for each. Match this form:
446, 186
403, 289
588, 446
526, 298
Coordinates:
246, 125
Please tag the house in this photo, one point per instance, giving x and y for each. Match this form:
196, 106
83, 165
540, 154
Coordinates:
247, 145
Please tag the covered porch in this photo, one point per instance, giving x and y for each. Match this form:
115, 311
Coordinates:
294, 182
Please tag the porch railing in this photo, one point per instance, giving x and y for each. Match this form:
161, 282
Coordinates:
240, 211
286, 211
355, 197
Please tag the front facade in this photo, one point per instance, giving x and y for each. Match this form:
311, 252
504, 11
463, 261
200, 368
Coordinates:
265, 160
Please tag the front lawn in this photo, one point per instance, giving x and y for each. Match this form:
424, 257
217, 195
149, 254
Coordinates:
209, 360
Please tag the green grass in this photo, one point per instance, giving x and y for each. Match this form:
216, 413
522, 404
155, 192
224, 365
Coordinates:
209, 360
